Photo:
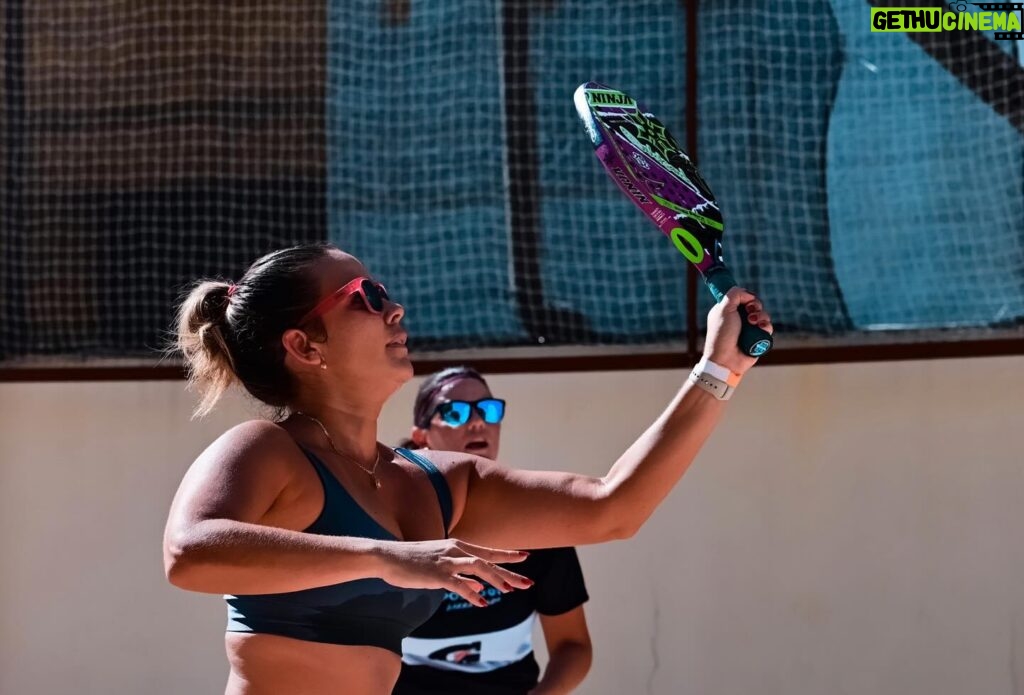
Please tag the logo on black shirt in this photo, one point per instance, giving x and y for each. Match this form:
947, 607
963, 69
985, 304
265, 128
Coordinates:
459, 653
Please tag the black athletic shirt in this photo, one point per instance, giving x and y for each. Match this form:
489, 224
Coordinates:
489, 651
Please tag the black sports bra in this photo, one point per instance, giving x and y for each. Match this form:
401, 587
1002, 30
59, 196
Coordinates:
361, 612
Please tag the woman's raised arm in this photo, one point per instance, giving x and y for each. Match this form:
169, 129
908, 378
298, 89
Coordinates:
530, 509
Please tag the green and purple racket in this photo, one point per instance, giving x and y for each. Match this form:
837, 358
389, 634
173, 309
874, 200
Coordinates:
646, 162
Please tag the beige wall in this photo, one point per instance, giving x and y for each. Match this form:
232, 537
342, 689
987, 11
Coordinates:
849, 529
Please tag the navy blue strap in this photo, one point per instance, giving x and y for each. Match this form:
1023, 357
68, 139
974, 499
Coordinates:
444, 495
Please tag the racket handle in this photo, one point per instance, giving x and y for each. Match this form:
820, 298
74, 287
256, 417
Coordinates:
754, 340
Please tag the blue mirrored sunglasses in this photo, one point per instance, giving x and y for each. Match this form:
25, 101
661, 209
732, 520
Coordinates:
458, 413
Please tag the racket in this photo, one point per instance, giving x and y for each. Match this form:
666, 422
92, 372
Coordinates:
646, 162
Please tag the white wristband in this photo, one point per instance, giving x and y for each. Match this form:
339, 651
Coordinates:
715, 379
716, 370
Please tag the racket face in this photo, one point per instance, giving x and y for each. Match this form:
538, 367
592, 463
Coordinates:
646, 162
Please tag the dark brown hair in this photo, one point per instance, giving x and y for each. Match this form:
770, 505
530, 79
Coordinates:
229, 332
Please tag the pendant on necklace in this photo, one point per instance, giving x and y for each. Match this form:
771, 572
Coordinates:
376, 483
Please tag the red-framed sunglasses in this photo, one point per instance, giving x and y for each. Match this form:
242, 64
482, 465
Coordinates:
372, 293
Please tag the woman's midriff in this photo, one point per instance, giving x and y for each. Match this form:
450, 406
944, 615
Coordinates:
272, 665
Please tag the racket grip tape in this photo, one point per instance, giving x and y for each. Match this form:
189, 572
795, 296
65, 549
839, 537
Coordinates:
754, 340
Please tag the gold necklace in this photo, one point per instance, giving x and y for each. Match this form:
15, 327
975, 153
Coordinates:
372, 472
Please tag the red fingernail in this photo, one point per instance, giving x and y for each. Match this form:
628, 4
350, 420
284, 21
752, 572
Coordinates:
754, 317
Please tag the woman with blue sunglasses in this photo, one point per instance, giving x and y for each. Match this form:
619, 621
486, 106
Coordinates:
489, 651
331, 548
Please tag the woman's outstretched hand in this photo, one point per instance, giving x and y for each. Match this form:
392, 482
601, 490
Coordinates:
452, 565
721, 344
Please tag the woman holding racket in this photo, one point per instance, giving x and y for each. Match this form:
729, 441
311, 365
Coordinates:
489, 651
330, 547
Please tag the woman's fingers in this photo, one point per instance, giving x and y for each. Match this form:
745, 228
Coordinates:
512, 579
761, 318
738, 295
491, 554
500, 578
468, 589
755, 310
468, 568
758, 316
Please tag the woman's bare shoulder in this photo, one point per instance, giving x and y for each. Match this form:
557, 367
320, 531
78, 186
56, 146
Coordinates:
458, 469
453, 464
255, 445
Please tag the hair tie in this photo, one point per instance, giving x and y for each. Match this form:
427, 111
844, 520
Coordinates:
232, 288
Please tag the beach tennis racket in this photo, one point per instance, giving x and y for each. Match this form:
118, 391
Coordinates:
646, 162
